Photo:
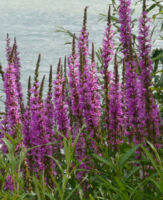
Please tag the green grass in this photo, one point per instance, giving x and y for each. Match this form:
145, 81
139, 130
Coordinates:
112, 177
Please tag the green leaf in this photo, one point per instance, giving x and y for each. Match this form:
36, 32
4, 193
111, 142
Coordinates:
29, 196
77, 186
155, 183
10, 138
50, 195
110, 186
152, 7
65, 31
120, 184
57, 162
156, 153
57, 185
158, 57
22, 156
35, 147
103, 17
137, 188
161, 182
127, 155
8, 144
76, 140
37, 190
91, 198
107, 162
150, 157
155, 15
135, 169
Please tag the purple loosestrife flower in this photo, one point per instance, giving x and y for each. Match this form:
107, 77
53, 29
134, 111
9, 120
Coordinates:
89, 99
83, 62
107, 52
49, 109
125, 28
131, 84
134, 107
61, 108
151, 113
12, 117
50, 133
73, 82
92, 111
27, 117
27, 114
94, 87
8, 49
67, 92
16, 62
78, 65
38, 129
88, 85
132, 101
17, 65
115, 108
123, 99
12, 104
26, 127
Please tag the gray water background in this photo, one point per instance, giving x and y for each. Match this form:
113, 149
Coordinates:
34, 22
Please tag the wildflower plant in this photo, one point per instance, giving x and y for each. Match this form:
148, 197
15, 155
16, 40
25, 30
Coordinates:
93, 134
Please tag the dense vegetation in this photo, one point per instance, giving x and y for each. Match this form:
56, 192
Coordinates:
96, 133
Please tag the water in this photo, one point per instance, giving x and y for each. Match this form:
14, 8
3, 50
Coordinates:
34, 22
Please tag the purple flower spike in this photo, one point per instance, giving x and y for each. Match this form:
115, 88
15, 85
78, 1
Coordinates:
94, 87
8, 49
12, 117
107, 52
27, 117
37, 129
16, 62
73, 65
151, 112
61, 108
125, 21
12, 104
49, 121
115, 107
132, 91
49, 109
17, 74
88, 88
